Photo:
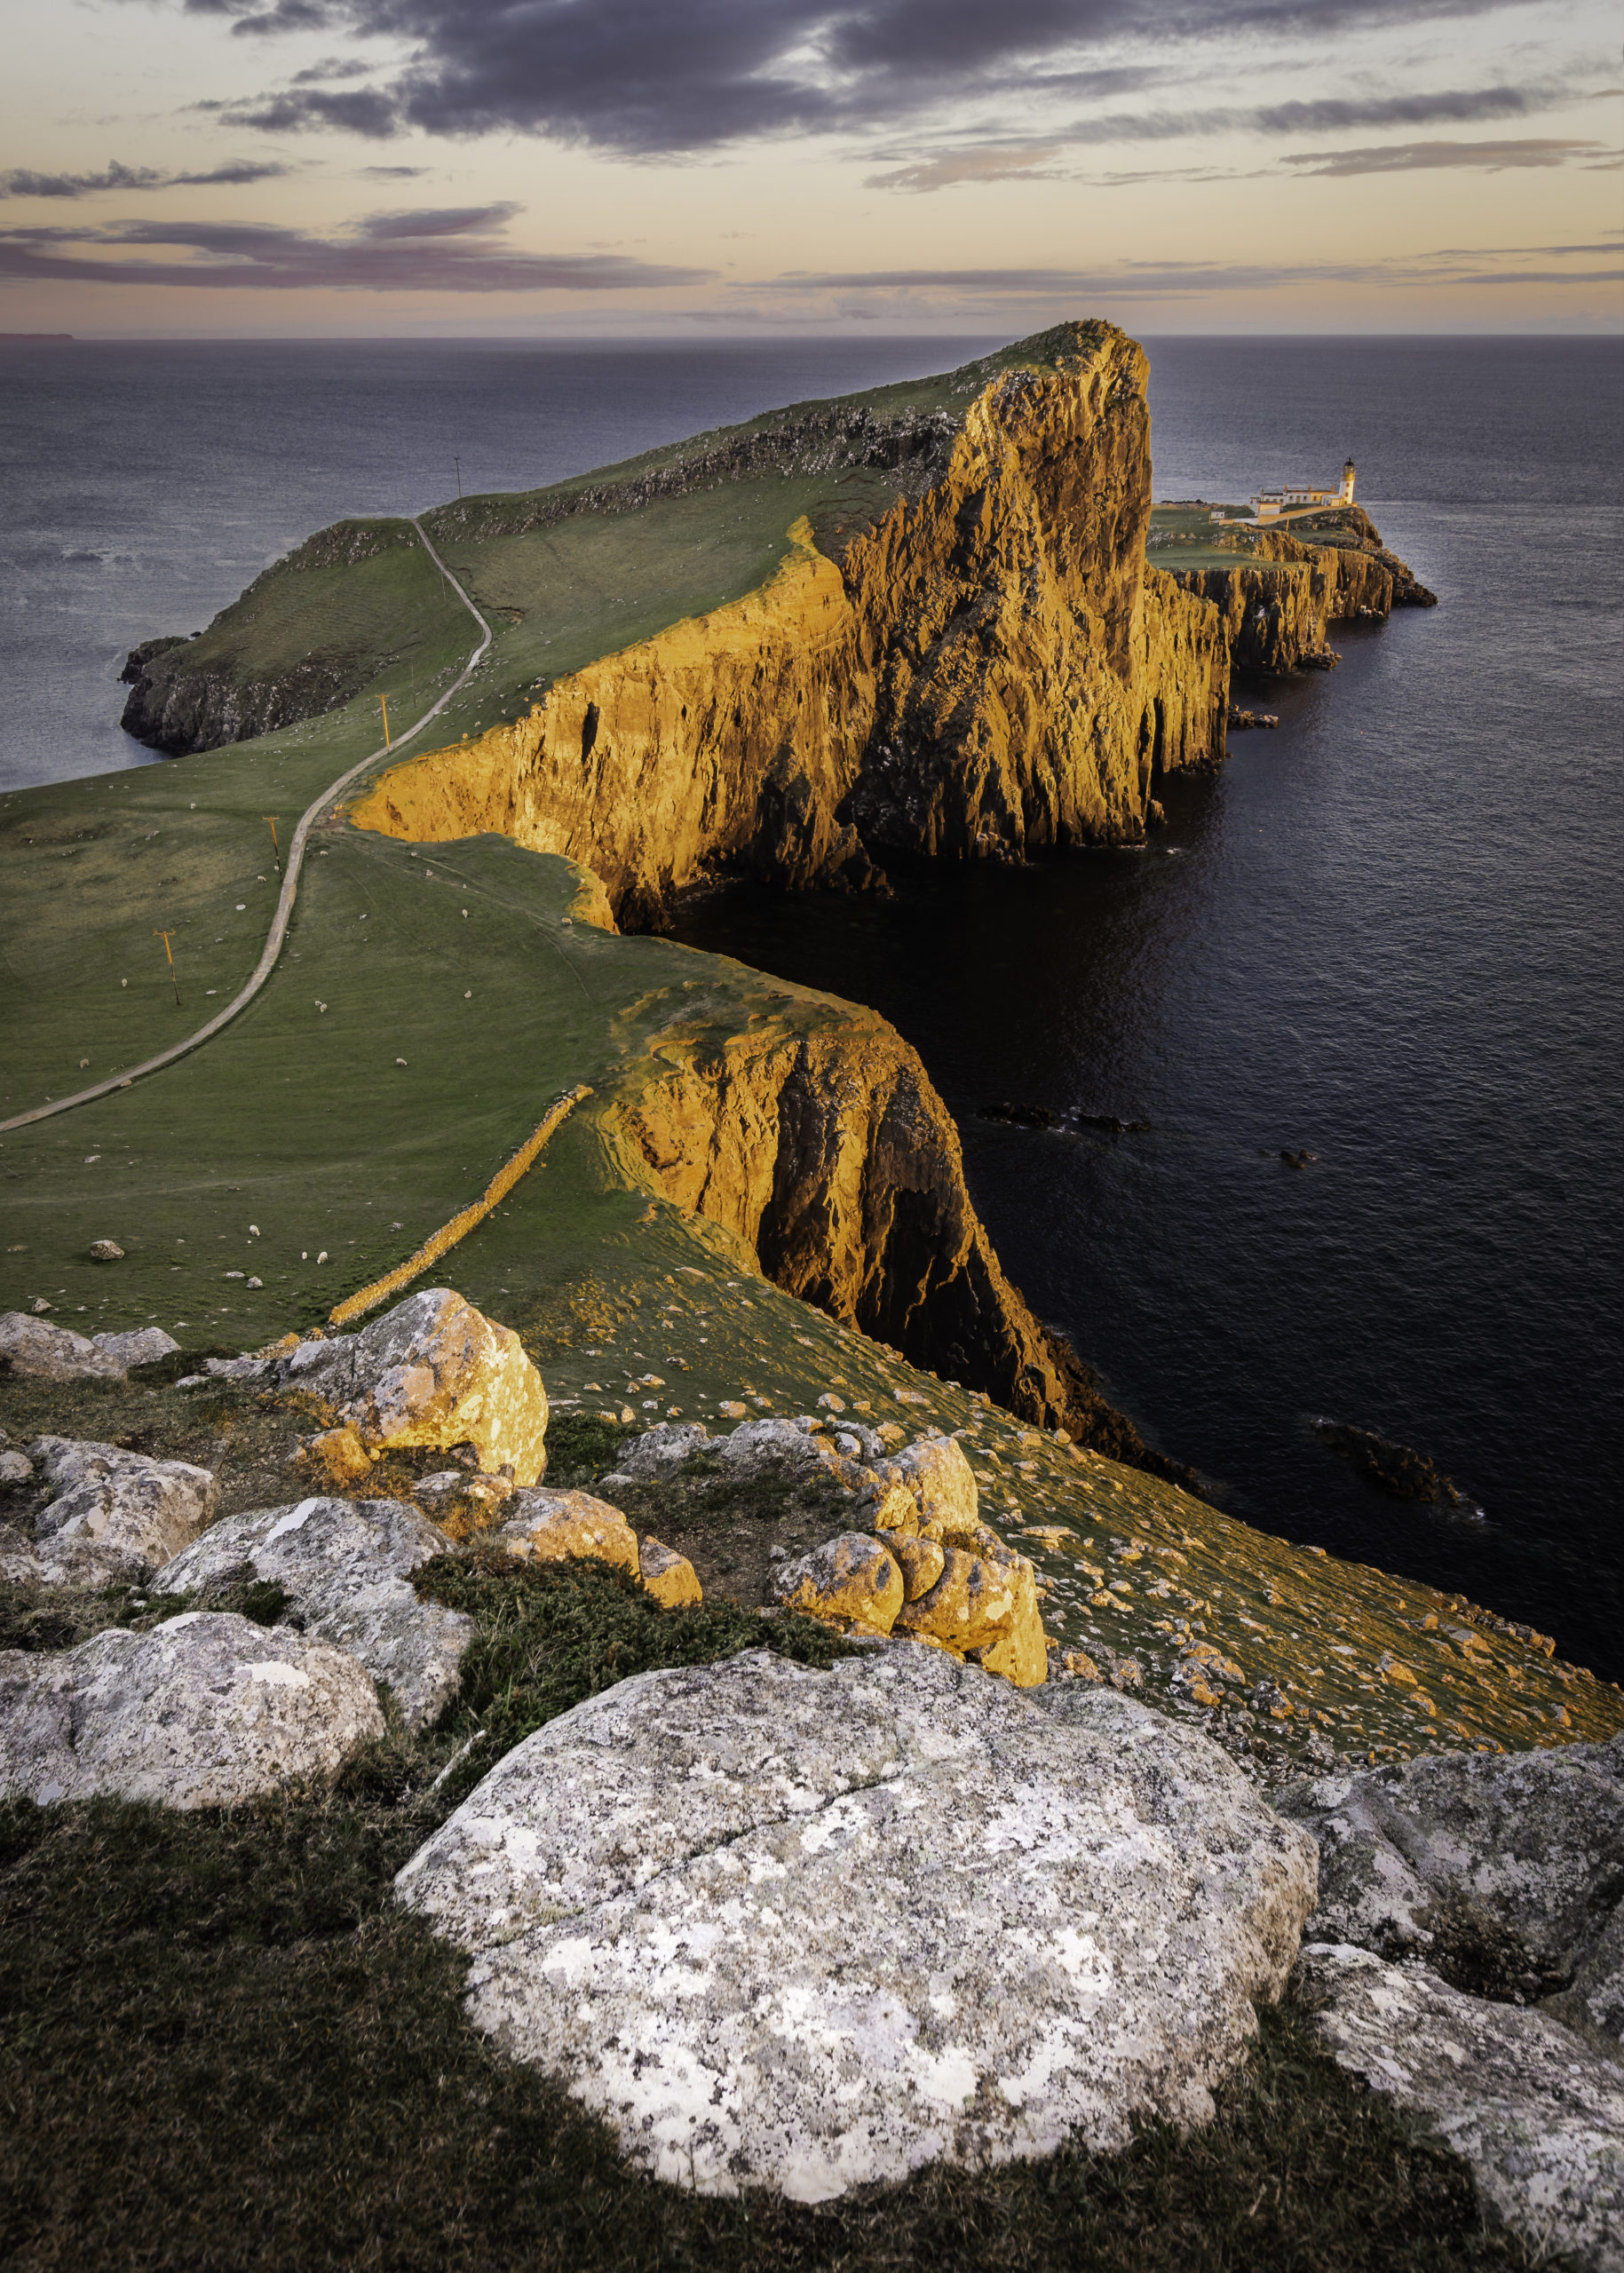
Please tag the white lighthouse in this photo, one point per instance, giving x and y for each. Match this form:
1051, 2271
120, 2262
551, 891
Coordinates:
1347, 483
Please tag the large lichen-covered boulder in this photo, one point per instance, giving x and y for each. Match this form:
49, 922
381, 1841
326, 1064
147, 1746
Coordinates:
1536, 2110
811, 1930
346, 1568
204, 1711
553, 1527
432, 1371
51, 1353
114, 1516
1503, 1873
854, 1578
142, 1345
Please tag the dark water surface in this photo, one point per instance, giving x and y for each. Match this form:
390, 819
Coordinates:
1388, 933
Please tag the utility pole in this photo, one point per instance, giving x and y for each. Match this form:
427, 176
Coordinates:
276, 847
458, 462
174, 982
383, 700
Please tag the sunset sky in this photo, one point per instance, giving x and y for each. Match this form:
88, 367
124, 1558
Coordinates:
327, 167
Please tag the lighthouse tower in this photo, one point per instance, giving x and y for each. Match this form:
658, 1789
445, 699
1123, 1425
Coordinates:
1347, 483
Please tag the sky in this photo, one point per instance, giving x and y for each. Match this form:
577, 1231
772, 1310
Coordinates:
525, 168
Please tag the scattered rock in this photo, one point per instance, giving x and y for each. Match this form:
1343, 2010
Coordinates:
206, 1711
1537, 2112
15, 1468
551, 1527
434, 1372
106, 1251
115, 1514
669, 1896
1395, 1468
1238, 720
657, 1452
51, 1353
346, 1568
1503, 1873
853, 1578
670, 1576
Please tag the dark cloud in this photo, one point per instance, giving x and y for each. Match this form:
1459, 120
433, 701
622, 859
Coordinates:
440, 251
18, 182
647, 76
1423, 157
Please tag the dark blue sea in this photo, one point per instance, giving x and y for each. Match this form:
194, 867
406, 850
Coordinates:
1387, 934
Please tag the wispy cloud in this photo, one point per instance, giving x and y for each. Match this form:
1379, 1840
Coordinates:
951, 168
442, 250
18, 181
1171, 280
1424, 157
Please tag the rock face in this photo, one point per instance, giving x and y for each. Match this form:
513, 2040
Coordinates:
989, 668
821, 1140
346, 1568
116, 1515
1496, 1883
669, 1895
1503, 1874
51, 1353
433, 1371
204, 1711
1277, 609
1536, 2111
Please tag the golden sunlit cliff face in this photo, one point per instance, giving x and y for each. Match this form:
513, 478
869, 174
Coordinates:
991, 667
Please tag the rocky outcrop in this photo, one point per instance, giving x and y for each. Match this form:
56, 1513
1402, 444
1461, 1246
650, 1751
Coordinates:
1067, 1908
990, 668
206, 1711
344, 1569
52, 1353
823, 1144
1278, 606
545, 1526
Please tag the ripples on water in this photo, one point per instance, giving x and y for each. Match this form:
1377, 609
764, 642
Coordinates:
1387, 934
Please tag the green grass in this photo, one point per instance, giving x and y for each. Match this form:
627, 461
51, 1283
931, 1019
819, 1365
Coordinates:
223, 2047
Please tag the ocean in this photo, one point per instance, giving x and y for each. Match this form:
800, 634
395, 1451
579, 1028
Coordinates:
1386, 934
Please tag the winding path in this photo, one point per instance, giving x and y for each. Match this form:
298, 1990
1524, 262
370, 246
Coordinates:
284, 905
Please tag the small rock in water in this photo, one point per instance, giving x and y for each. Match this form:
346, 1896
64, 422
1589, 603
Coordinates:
1020, 1116
1394, 1469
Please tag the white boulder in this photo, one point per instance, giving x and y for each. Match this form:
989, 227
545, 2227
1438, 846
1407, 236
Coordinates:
1536, 2110
116, 1515
141, 1347
809, 1930
203, 1711
51, 1353
345, 1567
